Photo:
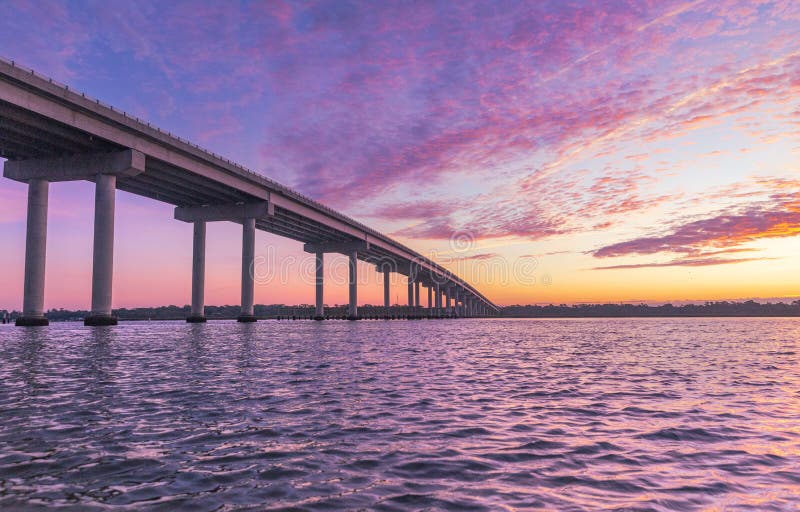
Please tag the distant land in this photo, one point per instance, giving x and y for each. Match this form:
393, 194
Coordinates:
719, 308
708, 309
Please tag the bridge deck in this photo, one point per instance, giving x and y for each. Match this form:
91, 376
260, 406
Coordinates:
40, 118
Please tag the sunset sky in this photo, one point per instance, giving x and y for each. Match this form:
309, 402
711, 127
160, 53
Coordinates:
546, 151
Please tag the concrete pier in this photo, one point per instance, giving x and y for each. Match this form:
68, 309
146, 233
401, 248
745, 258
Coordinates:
438, 296
352, 309
319, 313
248, 279
103, 255
386, 303
430, 300
102, 167
198, 314
351, 250
35, 255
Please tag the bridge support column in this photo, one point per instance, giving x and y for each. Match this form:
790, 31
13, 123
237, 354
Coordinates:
352, 310
386, 292
410, 295
248, 279
447, 311
430, 299
438, 296
198, 314
319, 312
35, 255
416, 298
103, 256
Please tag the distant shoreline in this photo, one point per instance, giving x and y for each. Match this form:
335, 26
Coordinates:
722, 309
300, 319
554, 317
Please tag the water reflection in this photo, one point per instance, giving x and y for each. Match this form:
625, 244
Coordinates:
567, 415
28, 350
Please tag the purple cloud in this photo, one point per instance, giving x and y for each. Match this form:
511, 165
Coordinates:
778, 219
479, 257
350, 101
688, 262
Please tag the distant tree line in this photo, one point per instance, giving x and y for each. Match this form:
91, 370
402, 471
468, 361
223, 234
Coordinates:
218, 312
722, 308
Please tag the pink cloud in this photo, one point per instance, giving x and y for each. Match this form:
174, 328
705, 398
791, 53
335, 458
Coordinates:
779, 218
347, 101
479, 257
687, 262
413, 210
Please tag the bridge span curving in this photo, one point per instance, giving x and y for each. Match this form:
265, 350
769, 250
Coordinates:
49, 133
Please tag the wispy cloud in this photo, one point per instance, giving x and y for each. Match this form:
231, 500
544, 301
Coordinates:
687, 262
479, 257
723, 232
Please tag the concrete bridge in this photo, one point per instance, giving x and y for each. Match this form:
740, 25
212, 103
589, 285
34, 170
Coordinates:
49, 133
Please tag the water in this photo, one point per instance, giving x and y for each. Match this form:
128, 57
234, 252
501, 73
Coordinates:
641, 414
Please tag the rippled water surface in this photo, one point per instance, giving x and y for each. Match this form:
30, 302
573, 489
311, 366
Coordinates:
643, 414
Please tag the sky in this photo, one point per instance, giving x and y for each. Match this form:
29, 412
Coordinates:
546, 151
